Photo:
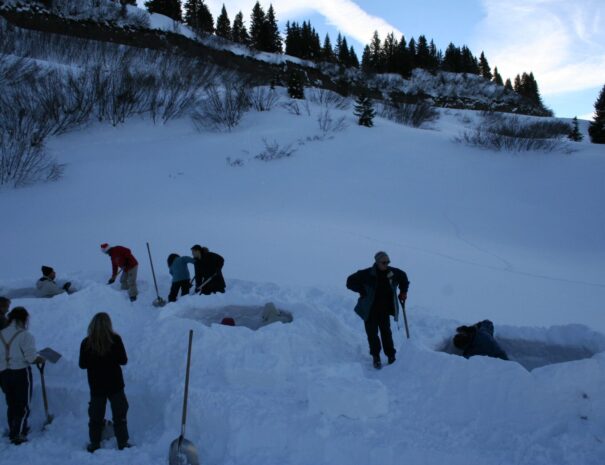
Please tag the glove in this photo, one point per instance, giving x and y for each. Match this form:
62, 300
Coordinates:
403, 296
111, 280
66, 286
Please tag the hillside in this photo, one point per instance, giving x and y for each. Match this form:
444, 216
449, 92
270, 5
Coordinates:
296, 197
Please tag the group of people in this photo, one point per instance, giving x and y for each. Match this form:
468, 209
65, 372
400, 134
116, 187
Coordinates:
208, 268
102, 355
382, 290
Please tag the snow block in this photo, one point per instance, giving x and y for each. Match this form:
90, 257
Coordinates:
346, 392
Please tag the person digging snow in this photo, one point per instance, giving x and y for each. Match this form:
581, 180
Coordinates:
478, 340
17, 354
378, 300
181, 280
102, 355
208, 269
122, 259
46, 286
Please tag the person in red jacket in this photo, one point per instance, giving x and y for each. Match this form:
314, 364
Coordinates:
122, 259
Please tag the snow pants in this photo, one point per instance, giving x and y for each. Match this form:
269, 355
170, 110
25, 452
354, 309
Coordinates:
379, 321
184, 286
17, 387
128, 281
96, 416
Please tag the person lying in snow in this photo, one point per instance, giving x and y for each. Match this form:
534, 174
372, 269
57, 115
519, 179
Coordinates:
48, 287
478, 340
181, 280
122, 259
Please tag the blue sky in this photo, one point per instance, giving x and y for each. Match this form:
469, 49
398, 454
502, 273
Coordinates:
561, 41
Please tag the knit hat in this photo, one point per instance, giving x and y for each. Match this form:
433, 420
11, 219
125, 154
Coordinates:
228, 321
380, 255
105, 247
46, 270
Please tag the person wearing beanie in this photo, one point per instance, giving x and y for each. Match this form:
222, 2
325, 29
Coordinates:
46, 286
123, 260
181, 280
17, 353
208, 270
378, 300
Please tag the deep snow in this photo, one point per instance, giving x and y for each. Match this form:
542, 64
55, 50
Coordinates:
516, 238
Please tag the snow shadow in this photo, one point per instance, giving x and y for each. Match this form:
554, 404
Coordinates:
531, 354
250, 316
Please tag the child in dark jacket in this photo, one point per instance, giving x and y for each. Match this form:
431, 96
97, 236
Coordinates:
102, 353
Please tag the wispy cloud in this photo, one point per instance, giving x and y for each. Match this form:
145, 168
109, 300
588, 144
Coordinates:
344, 15
561, 41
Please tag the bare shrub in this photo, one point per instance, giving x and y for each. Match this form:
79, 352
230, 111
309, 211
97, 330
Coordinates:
327, 124
292, 107
499, 132
263, 98
328, 99
409, 114
273, 151
235, 162
222, 108
23, 160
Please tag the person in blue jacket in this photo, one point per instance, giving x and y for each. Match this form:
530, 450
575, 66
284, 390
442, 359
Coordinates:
478, 340
181, 280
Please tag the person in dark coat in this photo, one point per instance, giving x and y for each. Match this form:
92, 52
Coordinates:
378, 300
478, 340
123, 260
208, 265
102, 353
5, 304
17, 354
181, 280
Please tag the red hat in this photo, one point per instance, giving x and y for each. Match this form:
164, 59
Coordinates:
228, 321
105, 247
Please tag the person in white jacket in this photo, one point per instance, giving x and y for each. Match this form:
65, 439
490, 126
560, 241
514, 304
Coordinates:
48, 287
17, 354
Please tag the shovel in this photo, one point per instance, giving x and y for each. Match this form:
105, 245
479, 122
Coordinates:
159, 302
49, 417
182, 451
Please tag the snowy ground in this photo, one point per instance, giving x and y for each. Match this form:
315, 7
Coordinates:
518, 239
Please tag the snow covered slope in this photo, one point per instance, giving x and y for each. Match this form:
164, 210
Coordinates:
516, 238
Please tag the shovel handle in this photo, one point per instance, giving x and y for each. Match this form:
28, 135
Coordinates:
43, 383
186, 384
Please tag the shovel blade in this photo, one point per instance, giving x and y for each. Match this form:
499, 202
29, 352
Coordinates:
159, 302
182, 452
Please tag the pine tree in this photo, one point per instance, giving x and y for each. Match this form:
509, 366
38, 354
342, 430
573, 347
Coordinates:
403, 63
468, 63
484, 69
343, 54
198, 16
376, 54
423, 56
353, 61
364, 110
223, 25
596, 129
452, 60
257, 21
508, 85
327, 53
170, 8
575, 134
497, 77
270, 31
366, 60
412, 53
389, 53
296, 87
239, 33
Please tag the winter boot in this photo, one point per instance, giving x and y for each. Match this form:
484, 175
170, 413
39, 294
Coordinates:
93, 446
377, 363
391, 359
126, 445
133, 298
